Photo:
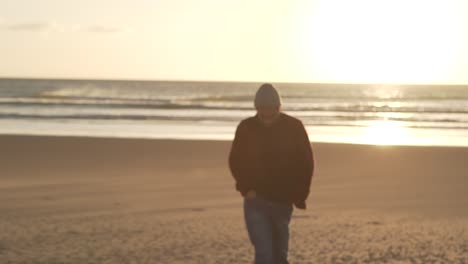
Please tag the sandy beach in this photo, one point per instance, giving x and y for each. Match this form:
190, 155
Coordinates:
102, 200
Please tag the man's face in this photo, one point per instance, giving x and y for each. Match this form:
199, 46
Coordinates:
268, 114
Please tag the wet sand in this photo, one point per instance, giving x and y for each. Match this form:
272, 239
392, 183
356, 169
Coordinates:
101, 200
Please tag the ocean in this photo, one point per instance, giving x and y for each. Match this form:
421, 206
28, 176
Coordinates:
435, 115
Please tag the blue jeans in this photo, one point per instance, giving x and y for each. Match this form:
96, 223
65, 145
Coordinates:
268, 227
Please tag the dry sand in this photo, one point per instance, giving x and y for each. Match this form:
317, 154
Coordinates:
96, 200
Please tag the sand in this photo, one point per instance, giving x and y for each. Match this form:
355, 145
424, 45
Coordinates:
101, 200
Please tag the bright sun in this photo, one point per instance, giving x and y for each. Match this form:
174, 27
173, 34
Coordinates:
382, 41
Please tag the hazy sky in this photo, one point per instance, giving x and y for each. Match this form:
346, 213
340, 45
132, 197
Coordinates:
372, 41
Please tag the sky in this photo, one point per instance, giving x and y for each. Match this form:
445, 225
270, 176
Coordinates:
321, 41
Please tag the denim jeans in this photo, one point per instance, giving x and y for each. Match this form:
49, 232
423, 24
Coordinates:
268, 228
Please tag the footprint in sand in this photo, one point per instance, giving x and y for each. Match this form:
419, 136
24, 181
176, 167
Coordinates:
374, 223
301, 216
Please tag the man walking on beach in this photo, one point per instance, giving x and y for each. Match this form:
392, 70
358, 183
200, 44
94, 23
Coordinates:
272, 162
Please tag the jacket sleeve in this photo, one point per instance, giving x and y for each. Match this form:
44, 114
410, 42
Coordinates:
306, 164
237, 162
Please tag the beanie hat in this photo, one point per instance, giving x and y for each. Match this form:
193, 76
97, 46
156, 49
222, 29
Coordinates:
267, 95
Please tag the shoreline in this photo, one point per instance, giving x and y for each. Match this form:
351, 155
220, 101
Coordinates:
382, 133
220, 139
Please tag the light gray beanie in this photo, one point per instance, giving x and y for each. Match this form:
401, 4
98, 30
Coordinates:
267, 95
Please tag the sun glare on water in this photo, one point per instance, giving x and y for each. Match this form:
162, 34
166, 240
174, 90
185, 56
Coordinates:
384, 132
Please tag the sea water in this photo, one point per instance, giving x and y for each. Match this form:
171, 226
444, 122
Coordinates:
341, 113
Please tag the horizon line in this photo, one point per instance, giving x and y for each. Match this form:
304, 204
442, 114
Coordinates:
218, 81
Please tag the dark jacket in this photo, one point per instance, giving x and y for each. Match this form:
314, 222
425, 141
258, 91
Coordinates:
276, 161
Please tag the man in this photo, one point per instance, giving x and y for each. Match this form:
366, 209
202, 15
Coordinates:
272, 162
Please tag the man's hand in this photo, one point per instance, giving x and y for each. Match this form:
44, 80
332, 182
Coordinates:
250, 194
300, 205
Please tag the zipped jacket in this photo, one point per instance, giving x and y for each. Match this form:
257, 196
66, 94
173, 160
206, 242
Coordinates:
275, 161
